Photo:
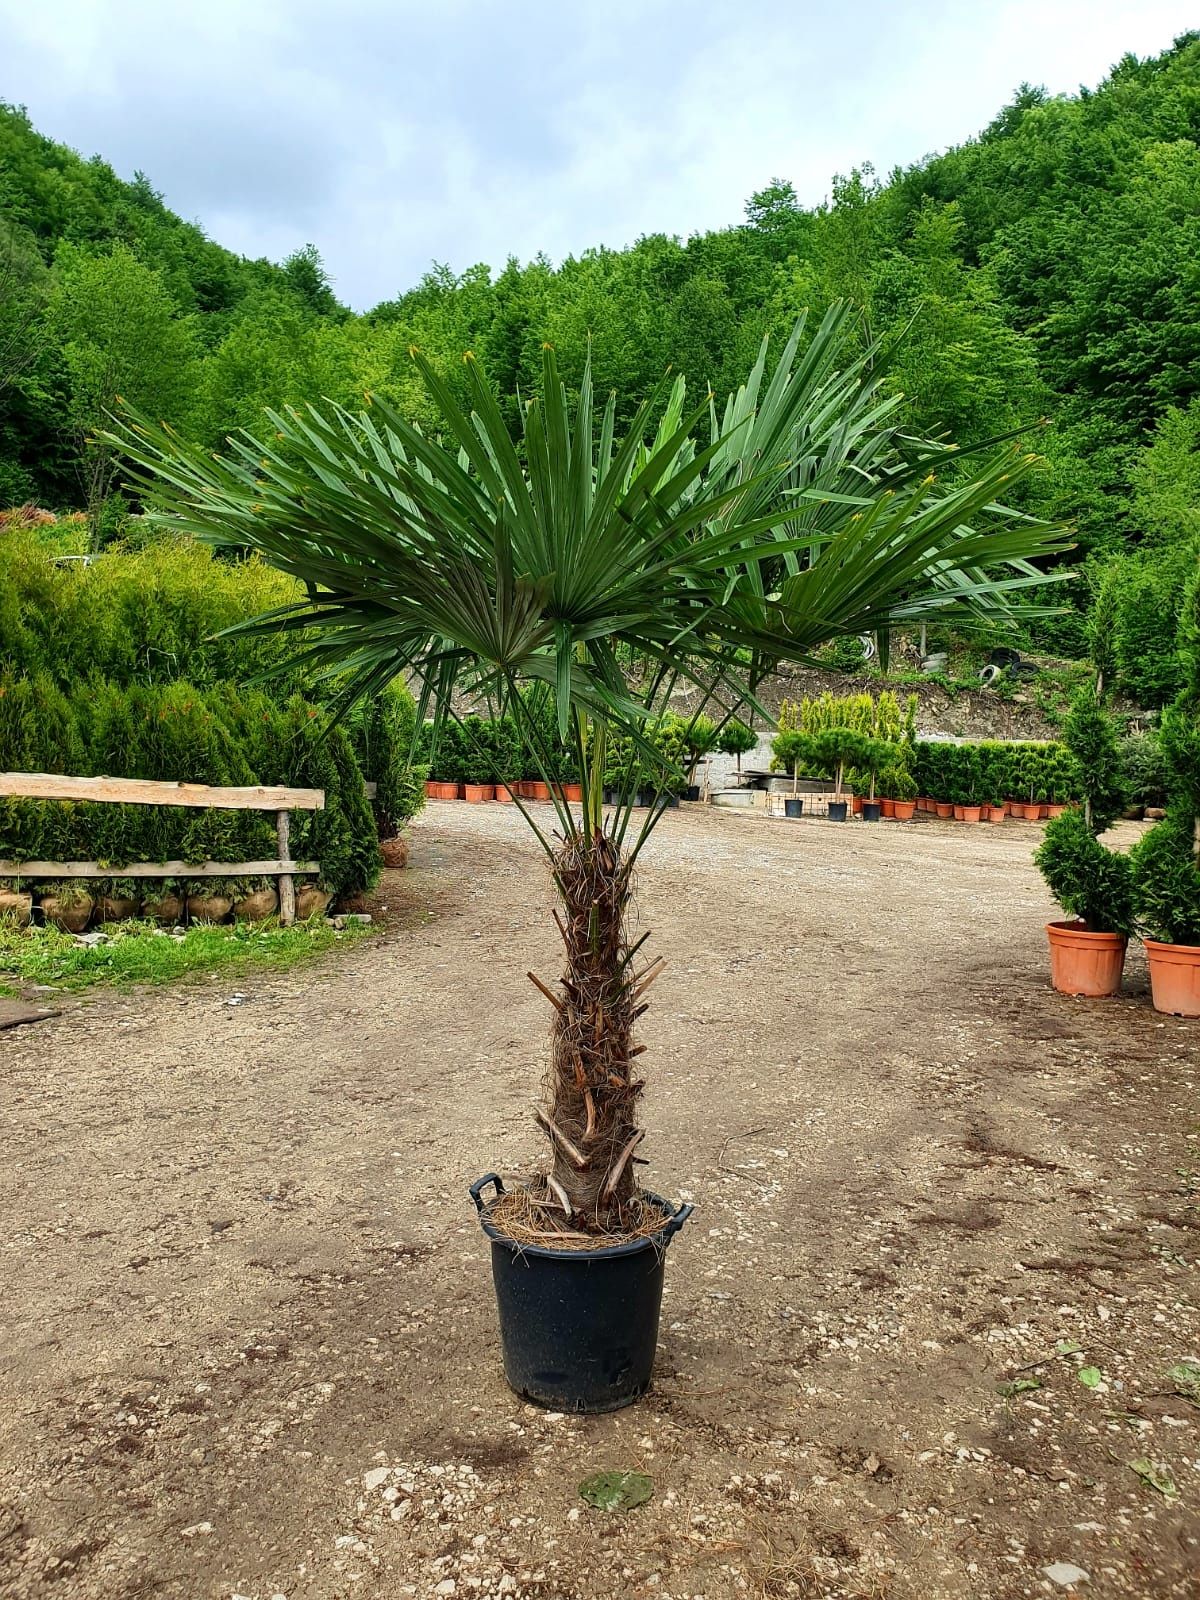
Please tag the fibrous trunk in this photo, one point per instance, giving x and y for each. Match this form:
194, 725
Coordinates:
592, 1092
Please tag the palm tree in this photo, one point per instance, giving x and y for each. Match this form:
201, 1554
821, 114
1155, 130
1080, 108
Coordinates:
602, 574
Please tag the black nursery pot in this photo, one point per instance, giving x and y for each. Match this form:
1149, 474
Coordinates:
793, 808
579, 1327
692, 792
871, 810
837, 811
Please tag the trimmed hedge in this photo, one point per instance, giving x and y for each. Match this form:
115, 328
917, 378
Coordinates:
992, 770
122, 667
178, 732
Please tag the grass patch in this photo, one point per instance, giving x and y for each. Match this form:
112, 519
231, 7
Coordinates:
138, 952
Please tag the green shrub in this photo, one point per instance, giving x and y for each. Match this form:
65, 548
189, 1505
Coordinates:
1166, 880
1143, 769
1090, 882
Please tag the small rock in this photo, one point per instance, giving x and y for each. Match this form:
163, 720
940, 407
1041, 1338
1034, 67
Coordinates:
1064, 1574
196, 1530
376, 1478
447, 1586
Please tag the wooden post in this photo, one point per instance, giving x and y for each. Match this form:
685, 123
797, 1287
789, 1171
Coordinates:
287, 893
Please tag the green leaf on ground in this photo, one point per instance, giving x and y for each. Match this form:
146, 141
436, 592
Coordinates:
616, 1491
1089, 1377
1185, 1379
1018, 1386
1067, 1347
1156, 1475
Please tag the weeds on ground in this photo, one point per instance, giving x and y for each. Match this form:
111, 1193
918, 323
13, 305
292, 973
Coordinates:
139, 952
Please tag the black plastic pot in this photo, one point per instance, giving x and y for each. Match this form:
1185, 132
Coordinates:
871, 810
837, 811
692, 792
793, 808
579, 1327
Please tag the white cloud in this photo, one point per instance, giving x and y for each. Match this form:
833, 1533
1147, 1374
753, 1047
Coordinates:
391, 133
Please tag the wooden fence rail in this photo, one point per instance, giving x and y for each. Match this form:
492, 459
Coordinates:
150, 792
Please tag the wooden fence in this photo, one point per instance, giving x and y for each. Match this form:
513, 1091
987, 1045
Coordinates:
150, 792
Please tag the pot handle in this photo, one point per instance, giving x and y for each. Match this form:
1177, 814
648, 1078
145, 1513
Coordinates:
676, 1222
480, 1184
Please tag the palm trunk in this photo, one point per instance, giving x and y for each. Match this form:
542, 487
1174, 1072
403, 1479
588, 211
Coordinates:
592, 1091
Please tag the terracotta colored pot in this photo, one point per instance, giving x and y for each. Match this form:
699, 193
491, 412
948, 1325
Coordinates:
256, 907
116, 908
310, 901
856, 804
958, 813
904, 810
474, 793
1055, 810
209, 907
164, 908
433, 789
442, 791
943, 808
71, 919
1174, 977
504, 794
969, 813
996, 813
15, 907
537, 789
889, 807
573, 793
1085, 963
394, 852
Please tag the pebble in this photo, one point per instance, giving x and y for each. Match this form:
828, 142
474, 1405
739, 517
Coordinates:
1063, 1573
196, 1529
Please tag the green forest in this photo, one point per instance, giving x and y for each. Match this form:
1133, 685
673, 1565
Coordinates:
1045, 275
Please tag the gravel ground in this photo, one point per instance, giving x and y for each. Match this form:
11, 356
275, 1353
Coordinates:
247, 1338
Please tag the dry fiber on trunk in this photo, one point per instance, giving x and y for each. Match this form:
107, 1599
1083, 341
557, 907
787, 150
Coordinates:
592, 1092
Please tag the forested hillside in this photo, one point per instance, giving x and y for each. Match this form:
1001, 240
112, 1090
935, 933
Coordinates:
1048, 268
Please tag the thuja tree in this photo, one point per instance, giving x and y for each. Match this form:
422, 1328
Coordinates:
1166, 862
697, 551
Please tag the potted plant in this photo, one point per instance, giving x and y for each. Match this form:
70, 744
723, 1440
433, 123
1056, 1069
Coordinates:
736, 739
67, 904
699, 741
118, 900
788, 752
831, 752
1166, 862
255, 899
209, 900
16, 904
903, 787
1091, 883
164, 905
312, 900
572, 560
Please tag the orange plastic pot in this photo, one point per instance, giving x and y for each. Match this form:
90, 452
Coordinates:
943, 808
1174, 977
504, 794
889, 807
443, 791
969, 813
432, 789
474, 793
856, 804
1085, 963
996, 813
572, 793
536, 790
904, 810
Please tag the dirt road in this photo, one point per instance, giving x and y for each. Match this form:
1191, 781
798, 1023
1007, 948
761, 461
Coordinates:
247, 1339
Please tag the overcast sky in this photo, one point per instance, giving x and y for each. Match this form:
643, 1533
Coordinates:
395, 133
